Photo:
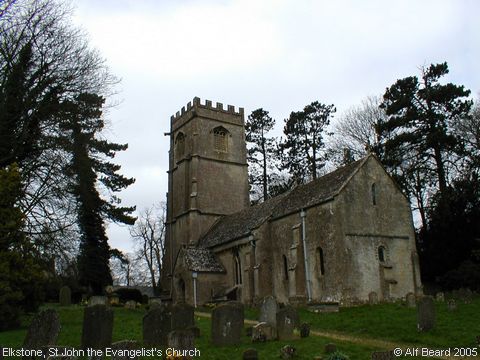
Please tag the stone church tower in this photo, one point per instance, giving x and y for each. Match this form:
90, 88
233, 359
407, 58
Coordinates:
207, 176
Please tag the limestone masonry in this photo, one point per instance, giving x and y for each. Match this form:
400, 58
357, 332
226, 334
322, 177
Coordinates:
339, 238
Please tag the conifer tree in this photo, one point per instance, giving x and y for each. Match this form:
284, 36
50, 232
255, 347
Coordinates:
83, 123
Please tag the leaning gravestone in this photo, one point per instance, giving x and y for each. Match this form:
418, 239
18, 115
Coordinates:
268, 311
182, 316
373, 298
285, 324
182, 340
227, 323
129, 345
157, 323
97, 327
425, 314
383, 355
262, 332
43, 330
410, 300
65, 296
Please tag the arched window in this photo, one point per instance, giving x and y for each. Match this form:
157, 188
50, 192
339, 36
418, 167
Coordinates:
381, 253
321, 261
180, 146
220, 139
374, 194
238, 270
285, 268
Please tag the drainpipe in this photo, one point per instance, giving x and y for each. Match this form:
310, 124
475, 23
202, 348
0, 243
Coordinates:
194, 276
305, 259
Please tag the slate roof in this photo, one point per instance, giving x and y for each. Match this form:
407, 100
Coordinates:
202, 260
240, 224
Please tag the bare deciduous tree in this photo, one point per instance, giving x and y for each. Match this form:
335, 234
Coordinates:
148, 233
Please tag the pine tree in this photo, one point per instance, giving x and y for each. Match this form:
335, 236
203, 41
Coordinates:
83, 123
302, 151
261, 151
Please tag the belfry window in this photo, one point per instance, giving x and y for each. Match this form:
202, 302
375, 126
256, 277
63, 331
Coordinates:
381, 254
180, 146
321, 261
220, 139
374, 194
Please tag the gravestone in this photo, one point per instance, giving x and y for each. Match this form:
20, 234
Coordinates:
304, 330
330, 348
250, 354
182, 316
285, 324
43, 330
262, 332
157, 323
98, 300
227, 323
440, 296
97, 327
113, 299
268, 311
287, 352
65, 296
181, 340
124, 345
373, 298
383, 355
410, 300
451, 304
425, 314
131, 304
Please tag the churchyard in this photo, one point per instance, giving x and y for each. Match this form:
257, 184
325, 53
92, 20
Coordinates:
227, 331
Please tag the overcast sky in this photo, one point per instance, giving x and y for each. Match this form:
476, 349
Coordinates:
277, 54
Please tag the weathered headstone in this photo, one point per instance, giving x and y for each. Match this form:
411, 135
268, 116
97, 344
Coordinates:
425, 314
304, 330
65, 296
440, 296
157, 323
268, 311
129, 345
113, 299
97, 327
250, 354
182, 316
43, 330
182, 340
285, 324
227, 323
383, 355
98, 300
263, 332
373, 298
287, 352
154, 302
131, 304
330, 348
411, 302
451, 304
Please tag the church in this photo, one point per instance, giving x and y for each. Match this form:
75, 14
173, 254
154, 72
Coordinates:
338, 238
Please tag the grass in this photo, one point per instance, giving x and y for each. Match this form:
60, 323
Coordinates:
392, 322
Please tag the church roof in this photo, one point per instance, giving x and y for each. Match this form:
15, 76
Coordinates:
240, 224
202, 260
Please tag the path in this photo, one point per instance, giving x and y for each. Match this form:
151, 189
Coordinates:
382, 344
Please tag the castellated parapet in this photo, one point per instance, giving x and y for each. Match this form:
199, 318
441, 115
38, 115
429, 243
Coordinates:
207, 110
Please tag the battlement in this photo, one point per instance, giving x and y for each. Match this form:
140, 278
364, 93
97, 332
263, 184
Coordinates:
196, 104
